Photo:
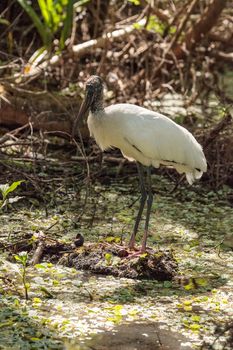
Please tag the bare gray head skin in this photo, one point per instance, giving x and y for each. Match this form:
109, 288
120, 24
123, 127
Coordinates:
94, 93
93, 99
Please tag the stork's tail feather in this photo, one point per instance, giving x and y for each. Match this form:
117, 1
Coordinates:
194, 175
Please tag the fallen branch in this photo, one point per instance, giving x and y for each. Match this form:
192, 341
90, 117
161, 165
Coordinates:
38, 253
12, 134
226, 56
82, 49
34, 71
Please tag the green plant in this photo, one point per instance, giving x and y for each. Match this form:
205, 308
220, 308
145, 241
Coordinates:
155, 25
135, 2
108, 258
57, 19
22, 259
5, 190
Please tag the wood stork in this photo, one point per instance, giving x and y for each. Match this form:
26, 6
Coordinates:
144, 136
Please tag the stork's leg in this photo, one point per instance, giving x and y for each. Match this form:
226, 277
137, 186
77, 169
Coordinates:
141, 206
149, 205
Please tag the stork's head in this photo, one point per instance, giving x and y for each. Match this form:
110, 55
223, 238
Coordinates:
94, 88
93, 98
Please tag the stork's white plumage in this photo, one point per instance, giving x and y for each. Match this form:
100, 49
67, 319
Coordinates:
144, 136
148, 137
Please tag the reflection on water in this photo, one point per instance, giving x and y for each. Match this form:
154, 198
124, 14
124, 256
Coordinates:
136, 336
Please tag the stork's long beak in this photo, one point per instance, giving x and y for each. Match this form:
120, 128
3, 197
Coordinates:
83, 109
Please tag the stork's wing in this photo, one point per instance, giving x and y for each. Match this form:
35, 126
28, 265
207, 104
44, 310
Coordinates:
156, 137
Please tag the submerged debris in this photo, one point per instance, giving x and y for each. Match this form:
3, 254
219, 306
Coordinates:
110, 259
102, 258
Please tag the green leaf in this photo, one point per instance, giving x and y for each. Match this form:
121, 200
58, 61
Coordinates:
22, 258
4, 21
195, 318
108, 258
110, 239
17, 258
68, 22
189, 286
55, 17
137, 26
45, 11
201, 281
3, 190
43, 30
37, 300
167, 284
12, 187
135, 2
172, 30
155, 25
194, 327
43, 265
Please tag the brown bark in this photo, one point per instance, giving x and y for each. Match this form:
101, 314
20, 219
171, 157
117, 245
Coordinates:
200, 28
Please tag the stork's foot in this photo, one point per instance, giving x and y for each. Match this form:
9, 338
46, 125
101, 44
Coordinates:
137, 251
127, 251
134, 254
143, 248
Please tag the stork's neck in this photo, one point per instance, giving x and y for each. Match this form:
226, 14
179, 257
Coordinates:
98, 103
